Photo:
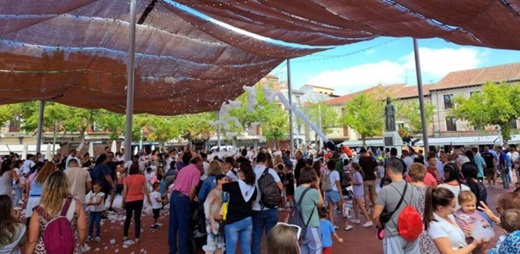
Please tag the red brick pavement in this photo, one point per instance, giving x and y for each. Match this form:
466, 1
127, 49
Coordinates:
358, 240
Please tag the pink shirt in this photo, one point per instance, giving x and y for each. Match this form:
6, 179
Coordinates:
429, 180
187, 177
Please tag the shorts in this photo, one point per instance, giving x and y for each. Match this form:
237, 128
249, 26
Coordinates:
490, 172
369, 187
332, 196
327, 250
156, 212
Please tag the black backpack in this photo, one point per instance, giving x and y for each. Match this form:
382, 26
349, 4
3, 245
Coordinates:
270, 195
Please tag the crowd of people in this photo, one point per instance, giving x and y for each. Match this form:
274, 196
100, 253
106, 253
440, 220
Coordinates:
240, 195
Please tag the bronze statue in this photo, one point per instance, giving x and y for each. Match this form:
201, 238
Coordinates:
389, 115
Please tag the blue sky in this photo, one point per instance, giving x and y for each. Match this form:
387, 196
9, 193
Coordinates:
388, 61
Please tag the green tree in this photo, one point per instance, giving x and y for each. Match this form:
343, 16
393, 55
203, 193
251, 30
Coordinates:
365, 114
270, 115
276, 126
497, 104
323, 115
410, 112
6, 114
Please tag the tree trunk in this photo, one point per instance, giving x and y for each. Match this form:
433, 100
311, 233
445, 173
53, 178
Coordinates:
364, 141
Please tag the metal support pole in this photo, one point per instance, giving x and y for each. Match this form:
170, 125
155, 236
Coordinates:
130, 84
40, 127
289, 94
54, 137
320, 125
218, 130
421, 95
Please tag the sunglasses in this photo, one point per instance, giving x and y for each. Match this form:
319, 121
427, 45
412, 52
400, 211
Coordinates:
297, 229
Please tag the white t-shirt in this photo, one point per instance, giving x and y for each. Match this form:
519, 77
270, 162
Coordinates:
456, 190
442, 228
94, 198
408, 161
258, 170
154, 196
26, 166
333, 177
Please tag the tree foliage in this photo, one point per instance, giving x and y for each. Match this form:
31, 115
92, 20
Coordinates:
365, 114
270, 115
6, 114
497, 104
321, 111
410, 112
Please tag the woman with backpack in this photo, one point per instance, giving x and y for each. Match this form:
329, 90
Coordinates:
311, 235
58, 216
238, 214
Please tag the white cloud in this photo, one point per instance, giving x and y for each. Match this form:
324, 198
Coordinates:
361, 76
439, 62
435, 64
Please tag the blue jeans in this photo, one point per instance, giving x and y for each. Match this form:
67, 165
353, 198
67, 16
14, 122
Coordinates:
239, 231
94, 219
311, 242
262, 221
180, 206
506, 179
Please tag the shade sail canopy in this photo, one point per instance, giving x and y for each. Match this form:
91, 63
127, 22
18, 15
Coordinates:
74, 51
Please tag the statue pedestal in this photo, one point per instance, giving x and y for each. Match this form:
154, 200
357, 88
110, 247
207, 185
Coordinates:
392, 139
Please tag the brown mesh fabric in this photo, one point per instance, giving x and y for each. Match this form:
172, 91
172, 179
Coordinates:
76, 53
482, 22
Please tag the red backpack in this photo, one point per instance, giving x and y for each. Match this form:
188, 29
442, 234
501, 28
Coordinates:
409, 222
58, 233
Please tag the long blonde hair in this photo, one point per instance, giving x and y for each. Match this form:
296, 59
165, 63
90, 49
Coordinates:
45, 172
55, 190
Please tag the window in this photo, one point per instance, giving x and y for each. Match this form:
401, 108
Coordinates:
447, 101
474, 92
451, 124
345, 131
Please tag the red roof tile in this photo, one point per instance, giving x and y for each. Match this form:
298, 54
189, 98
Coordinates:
391, 89
506, 72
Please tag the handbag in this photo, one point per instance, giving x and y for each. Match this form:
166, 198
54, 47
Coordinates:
386, 216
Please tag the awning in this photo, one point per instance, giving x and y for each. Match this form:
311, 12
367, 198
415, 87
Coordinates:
75, 51
477, 140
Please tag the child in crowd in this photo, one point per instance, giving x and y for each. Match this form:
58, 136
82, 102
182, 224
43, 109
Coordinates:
467, 215
149, 175
157, 202
359, 197
327, 231
432, 169
212, 207
96, 206
380, 170
510, 222
289, 185
162, 189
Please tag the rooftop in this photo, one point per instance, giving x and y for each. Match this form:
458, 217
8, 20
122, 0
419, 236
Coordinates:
479, 76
